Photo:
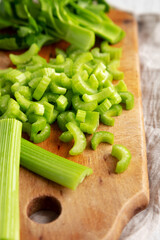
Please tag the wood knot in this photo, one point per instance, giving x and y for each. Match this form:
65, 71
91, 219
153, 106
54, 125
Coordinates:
61, 192
100, 180
127, 21
105, 157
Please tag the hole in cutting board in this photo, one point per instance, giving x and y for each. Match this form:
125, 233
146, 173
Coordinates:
44, 209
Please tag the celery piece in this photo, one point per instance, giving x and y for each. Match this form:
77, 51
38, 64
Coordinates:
81, 115
41, 88
57, 89
52, 97
23, 102
62, 103
36, 108
26, 92
62, 121
100, 96
91, 122
86, 106
48, 112
25, 57
106, 117
115, 98
103, 57
66, 137
81, 60
112, 69
121, 86
69, 95
58, 169
102, 136
81, 86
14, 76
123, 155
65, 117
47, 71
10, 141
13, 111
4, 103
38, 123
128, 99
5, 88
60, 51
34, 82
79, 139
104, 106
33, 68
115, 53
42, 135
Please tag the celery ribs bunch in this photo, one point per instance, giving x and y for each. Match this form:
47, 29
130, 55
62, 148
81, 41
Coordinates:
47, 21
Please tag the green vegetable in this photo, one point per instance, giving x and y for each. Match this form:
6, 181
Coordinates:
77, 91
41, 135
45, 21
121, 86
104, 106
100, 96
128, 99
112, 69
79, 104
91, 122
115, 53
53, 167
79, 139
62, 103
22, 101
41, 88
66, 137
106, 117
25, 57
10, 141
4, 103
81, 115
123, 155
101, 136
13, 111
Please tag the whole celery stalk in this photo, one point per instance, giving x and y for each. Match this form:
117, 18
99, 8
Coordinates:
10, 140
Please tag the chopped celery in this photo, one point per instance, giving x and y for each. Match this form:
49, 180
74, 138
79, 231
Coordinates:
75, 88
101, 136
25, 57
91, 122
123, 155
79, 139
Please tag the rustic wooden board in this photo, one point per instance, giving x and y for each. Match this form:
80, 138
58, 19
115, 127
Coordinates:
103, 204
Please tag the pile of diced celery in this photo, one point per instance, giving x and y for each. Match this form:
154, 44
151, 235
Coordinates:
75, 89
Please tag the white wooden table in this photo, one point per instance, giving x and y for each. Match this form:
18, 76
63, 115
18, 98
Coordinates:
146, 225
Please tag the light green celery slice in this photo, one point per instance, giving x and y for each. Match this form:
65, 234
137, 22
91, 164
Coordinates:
10, 141
52, 166
26, 56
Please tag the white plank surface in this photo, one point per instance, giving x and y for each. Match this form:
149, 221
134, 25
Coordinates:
146, 225
137, 6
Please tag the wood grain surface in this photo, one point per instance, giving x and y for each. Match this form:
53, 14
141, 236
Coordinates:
103, 204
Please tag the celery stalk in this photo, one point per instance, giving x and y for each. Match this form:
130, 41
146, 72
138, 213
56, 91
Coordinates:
52, 166
10, 140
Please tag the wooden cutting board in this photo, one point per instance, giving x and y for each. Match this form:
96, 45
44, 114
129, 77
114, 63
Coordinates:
104, 203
